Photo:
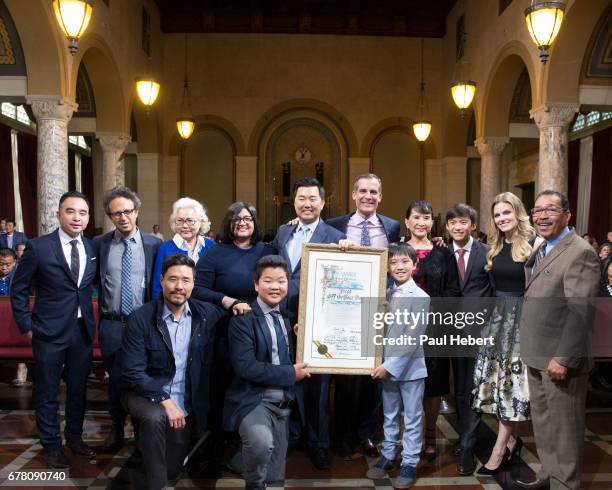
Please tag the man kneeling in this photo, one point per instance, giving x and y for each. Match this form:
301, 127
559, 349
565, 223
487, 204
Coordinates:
166, 357
258, 402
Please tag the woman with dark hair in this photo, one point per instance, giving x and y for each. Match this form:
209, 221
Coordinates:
436, 273
224, 274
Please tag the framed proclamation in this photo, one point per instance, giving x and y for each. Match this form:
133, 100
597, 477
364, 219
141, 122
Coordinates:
339, 293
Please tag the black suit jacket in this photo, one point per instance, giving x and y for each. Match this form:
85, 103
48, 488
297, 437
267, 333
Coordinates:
322, 234
476, 282
102, 246
250, 345
18, 237
391, 226
58, 296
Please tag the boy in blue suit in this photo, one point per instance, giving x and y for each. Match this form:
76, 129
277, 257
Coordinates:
258, 402
403, 373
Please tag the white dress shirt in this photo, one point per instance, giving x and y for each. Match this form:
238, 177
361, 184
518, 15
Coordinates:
378, 236
65, 239
468, 250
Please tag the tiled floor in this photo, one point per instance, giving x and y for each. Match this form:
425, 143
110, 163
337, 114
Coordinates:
20, 451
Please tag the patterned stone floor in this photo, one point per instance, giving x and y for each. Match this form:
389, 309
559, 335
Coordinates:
20, 451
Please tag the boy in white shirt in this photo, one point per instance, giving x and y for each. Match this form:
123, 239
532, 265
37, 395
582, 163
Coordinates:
403, 374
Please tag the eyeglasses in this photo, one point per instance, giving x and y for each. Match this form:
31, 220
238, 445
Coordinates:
551, 211
118, 214
188, 221
247, 220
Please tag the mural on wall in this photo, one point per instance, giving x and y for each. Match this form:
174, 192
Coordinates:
11, 55
597, 68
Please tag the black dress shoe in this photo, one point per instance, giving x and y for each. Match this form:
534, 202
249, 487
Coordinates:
320, 459
369, 448
114, 441
79, 448
483, 470
457, 449
345, 451
466, 464
534, 484
57, 460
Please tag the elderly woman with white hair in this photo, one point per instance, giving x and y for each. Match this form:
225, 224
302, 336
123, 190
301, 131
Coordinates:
189, 223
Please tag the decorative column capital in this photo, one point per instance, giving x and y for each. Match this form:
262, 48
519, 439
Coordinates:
491, 145
52, 107
113, 142
554, 114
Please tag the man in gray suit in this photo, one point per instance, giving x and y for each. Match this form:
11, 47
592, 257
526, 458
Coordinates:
562, 274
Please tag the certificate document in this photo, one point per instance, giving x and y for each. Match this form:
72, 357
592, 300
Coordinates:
339, 292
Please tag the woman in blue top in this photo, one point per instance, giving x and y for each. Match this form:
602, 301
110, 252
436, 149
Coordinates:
189, 222
224, 275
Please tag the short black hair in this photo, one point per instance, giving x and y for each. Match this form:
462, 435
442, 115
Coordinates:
309, 182
76, 194
226, 233
177, 259
267, 261
120, 191
10, 221
19, 244
462, 210
403, 249
559, 195
8, 252
420, 206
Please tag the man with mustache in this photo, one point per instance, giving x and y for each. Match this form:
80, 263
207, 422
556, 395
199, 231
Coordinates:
166, 355
561, 275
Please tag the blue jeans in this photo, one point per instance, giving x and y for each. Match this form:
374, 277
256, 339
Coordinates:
409, 396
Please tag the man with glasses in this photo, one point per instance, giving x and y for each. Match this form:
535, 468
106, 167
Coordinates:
561, 276
125, 265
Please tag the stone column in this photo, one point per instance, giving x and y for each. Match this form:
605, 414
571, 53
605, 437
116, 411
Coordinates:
148, 191
490, 149
585, 170
553, 120
113, 145
52, 114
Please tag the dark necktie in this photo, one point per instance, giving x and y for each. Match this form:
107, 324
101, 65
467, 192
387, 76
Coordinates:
74, 261
283, 349
126, 279
461, 263
540, 254
365, 235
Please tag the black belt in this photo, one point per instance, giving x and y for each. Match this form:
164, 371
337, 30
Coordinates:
114, 318
282, 404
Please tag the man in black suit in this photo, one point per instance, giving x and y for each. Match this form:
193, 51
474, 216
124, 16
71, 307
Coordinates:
124, 255
166, 356
309, 199
62, 267
12, 238
471, 257
358, 400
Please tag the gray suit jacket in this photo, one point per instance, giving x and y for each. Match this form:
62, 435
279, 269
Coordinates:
555, 322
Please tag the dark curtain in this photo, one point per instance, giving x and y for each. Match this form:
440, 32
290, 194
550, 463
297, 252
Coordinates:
28, 178
87, 183
71, 171
600, 212
7, 196
573, 167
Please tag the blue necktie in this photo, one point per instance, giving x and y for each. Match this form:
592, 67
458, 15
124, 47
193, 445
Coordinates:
299, 237
365, 235
283, 349
126, 279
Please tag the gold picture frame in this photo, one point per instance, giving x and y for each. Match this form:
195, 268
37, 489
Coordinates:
335, 324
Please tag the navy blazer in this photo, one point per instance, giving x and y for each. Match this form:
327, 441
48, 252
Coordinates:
18, 237
476, 282
322, 234
147, 359
250, 345
102, 245
391, 226
57, 295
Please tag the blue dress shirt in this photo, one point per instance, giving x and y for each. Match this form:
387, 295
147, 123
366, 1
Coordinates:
180, 335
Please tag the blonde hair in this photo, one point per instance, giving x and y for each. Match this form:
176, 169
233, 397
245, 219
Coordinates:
521, 249
188, 203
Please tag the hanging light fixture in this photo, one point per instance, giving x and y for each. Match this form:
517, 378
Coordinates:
543, 22
147, 89
73, 17
463, 93
185, 124
422, 128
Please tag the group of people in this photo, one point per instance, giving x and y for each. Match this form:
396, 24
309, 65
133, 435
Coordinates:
198, 334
